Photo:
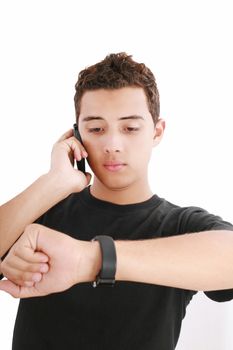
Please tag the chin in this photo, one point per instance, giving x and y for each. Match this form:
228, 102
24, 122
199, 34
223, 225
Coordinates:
115, 184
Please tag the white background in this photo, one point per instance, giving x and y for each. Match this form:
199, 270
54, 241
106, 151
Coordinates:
188, 46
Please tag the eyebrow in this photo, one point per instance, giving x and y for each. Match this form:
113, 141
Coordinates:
93, 117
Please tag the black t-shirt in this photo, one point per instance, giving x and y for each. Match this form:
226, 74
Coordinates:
130, 315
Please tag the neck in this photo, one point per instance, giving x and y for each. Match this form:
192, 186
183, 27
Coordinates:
133, 193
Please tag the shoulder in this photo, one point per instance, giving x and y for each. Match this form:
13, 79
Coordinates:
184, 219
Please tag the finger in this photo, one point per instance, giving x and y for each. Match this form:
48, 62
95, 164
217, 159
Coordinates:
17, 291
22, 265
28, 283
18, 276
40, 257
84, 153
66, 135
10, 288
25, 280
23, 283
30, 279
77, 148
29, 255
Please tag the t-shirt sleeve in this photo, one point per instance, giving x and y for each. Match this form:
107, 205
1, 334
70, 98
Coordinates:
197, 219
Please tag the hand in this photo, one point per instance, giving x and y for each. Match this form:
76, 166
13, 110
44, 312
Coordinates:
64, 151
68, 261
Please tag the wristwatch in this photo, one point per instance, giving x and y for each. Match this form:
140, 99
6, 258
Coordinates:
106, 276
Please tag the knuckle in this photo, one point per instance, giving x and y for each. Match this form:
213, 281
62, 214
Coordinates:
28, 267
32, 228
24, 276
75, 140
16, 250
28, 227
34, 268
20, 282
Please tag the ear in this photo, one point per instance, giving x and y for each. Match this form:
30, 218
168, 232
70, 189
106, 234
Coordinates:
158, 131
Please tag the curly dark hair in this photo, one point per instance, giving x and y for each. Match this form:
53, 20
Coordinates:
118, 70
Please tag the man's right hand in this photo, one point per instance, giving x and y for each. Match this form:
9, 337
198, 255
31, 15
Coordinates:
60, 181
64, 152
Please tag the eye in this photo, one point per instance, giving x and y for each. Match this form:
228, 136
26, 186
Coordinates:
96, 130
131, 129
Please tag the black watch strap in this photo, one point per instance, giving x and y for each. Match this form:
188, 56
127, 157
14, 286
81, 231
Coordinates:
106, 276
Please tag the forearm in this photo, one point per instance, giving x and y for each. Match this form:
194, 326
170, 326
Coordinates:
198, 261
26, 207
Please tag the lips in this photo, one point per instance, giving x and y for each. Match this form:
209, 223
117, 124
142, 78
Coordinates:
114, 165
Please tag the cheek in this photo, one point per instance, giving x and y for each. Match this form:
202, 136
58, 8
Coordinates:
94, 158
139, 158
90, 148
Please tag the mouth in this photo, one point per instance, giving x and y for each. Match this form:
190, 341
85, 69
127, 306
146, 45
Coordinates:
114, 166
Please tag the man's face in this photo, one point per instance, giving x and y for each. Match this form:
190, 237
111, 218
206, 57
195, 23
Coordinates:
118, 133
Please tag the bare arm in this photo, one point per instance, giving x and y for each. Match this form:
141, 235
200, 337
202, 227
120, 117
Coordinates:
45, 192
198, 261
27, 206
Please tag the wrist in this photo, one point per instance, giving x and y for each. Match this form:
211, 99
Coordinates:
58, 183
123, 261
96, 258
91, 261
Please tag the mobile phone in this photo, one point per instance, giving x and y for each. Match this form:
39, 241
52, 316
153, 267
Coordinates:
81, 163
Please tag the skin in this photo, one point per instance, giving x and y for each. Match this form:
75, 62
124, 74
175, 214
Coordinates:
190, 261
112, 139
113, 133
69, 261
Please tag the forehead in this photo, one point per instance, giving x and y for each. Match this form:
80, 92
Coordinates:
116, 102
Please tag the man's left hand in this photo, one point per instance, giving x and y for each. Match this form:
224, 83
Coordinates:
66, 261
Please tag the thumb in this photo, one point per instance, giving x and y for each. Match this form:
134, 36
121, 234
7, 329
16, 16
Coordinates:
10, 288
19, 292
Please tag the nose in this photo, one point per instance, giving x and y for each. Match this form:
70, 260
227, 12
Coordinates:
112, 144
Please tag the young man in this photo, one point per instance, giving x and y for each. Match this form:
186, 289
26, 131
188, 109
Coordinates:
164, 253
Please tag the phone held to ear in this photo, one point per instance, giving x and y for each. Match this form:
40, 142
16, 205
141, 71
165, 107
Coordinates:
81, 163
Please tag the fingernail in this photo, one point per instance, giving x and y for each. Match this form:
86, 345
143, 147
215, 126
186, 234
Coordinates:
36, 277
44, 259
44, 268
